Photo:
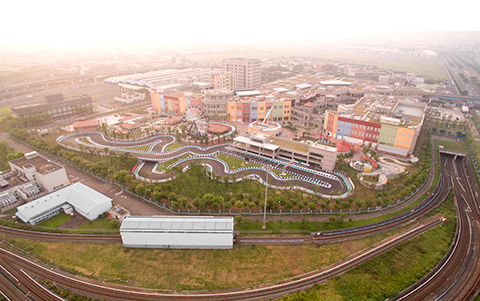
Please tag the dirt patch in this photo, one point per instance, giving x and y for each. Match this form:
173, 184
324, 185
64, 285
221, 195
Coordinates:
76, 221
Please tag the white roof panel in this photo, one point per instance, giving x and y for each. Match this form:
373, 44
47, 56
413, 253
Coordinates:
80, 196
177, 223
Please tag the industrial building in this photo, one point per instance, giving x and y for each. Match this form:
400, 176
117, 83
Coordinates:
78, 197
160, 80
46, 174
86, 126
56, 106
177, 232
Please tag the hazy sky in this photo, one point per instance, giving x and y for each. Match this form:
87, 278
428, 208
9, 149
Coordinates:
120, 23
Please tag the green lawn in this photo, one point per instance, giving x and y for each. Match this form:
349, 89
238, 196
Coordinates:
234, 162
173, 146
142, 148
99, 224
5, 110
459, 146
162, 166
55, 221
192, 269
387, 274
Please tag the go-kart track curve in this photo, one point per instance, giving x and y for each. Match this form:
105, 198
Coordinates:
287, 175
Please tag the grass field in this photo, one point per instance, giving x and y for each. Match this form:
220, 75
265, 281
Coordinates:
55, 221
5, 110
459, 146
99, 224
192, 269
142, 148
162, 166
397, 62
234, 163
391, 272
173, 146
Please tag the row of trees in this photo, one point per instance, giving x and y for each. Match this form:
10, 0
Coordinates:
7, 154
103, 162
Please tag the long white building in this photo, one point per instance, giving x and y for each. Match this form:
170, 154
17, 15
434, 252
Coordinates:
177, 232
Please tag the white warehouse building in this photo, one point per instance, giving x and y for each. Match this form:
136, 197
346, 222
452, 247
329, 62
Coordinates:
79, 197
177, 232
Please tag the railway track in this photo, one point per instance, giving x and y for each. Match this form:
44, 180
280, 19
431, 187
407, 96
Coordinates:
432, 201
60, 237
457, 276
113, 293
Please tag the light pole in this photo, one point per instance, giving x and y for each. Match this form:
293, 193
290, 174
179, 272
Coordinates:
265, 209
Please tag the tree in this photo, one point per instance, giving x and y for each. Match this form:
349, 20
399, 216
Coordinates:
120, 176
140, 189
238, 218
312, 206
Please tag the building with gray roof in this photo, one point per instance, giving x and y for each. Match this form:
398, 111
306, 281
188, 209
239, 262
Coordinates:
79, 197
177, 232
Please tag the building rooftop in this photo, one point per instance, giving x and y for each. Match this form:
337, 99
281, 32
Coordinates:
160, 78
178, 224
78, 195
246, 140
86, 123
288, 144
42, 165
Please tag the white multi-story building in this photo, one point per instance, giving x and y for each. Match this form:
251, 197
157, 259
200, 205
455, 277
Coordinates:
43, 172
223, 80
247, 72
215, 102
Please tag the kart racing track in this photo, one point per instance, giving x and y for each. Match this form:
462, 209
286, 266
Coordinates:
156, 162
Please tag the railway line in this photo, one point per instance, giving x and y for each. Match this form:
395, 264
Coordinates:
60, 237
114, 293
457, 276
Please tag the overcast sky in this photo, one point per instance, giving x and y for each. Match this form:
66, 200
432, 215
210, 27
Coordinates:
168, 23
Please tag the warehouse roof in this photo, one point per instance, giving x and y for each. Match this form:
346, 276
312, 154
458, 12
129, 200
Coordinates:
77, 195
179, 224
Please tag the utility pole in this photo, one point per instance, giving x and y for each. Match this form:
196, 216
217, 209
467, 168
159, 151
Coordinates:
265, 209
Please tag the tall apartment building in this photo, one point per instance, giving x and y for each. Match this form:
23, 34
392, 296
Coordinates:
223, 80
247, 72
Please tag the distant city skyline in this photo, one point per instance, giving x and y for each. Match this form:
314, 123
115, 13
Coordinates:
60, 24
